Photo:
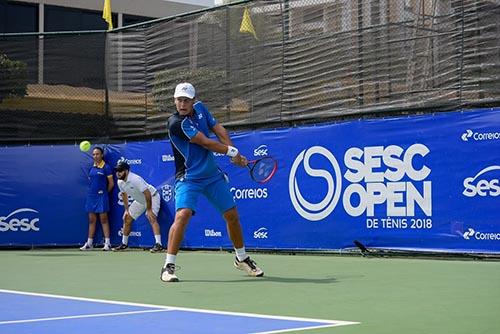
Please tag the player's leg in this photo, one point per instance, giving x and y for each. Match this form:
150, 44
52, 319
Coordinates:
176, 232
186, 197
102, 208
89, 244
220, 196
103, 218
242, 261
153, 221
233, 225
127, 227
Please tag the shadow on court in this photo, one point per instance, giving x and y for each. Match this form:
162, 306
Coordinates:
276, 279
54, 254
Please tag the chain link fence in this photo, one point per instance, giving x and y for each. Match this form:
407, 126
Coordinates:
255, 64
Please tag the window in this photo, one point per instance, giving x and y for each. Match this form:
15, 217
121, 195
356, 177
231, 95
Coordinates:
71, 19
312, 15
133, 19
18, 17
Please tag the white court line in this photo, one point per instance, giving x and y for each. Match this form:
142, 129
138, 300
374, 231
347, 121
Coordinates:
80, 316
328, 323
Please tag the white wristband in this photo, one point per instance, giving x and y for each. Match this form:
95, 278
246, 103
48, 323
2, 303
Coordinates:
231, 151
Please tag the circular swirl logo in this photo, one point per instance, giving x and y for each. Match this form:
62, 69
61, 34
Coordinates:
320, 210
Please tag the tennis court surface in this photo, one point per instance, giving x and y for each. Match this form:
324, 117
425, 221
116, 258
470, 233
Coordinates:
25, 313
68, 291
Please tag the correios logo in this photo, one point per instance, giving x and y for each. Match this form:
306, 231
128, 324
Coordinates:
483, 236
479, 185
18, 220
131, 234
467, 134
374, 178
130, 161
479, 136
468, 234
248, 193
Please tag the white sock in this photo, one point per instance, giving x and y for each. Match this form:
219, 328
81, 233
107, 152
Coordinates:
125, 239
107, 241
241, 254
90, 242
158, 239
170, 259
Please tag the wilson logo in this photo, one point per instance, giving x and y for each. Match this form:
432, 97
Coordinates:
211, 233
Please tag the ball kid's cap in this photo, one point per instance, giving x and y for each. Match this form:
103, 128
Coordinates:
184, 89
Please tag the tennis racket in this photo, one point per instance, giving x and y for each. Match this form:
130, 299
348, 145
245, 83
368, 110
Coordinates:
263, 169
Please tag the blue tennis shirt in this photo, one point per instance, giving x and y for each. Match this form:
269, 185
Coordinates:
192, 161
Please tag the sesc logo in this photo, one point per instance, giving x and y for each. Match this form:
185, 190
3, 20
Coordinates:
260, 151
120, 200
261, 233
321, 210
20, 223
475, 186
376, 176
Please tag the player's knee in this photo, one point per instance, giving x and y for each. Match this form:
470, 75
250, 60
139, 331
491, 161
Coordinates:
231, 216
182, 216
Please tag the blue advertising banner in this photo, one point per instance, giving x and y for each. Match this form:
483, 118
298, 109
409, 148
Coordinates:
427, 183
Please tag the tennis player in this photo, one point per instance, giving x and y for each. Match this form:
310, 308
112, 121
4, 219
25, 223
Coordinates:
146, 198
198, 174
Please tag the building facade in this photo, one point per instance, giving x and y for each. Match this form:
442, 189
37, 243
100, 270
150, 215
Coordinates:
80, 15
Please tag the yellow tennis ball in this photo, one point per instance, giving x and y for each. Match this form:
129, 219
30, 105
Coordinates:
85, 146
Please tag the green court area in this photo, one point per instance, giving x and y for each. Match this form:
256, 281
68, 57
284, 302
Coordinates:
385, 295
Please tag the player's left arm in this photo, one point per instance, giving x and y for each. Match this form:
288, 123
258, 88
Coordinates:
222, 134
111, 183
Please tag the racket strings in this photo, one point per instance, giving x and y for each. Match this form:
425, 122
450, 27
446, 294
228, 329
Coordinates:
263, 169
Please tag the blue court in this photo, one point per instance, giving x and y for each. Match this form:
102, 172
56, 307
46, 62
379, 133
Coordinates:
29, 313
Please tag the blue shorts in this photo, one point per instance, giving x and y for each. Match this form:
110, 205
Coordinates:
216, 190
97, 203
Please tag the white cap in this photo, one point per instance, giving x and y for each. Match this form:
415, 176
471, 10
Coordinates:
184, 89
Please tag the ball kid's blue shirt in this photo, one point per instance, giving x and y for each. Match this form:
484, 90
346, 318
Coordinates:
98, 176
192, 161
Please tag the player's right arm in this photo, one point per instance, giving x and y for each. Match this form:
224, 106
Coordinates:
216, 146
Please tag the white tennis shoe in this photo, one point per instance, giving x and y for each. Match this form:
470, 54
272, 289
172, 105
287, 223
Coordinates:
107, 247
168, 273
249, 266
86, 247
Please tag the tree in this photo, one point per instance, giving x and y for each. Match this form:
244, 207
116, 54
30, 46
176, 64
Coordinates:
13, 78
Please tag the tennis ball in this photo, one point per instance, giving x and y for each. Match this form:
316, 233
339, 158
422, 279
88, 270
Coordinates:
85, 146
